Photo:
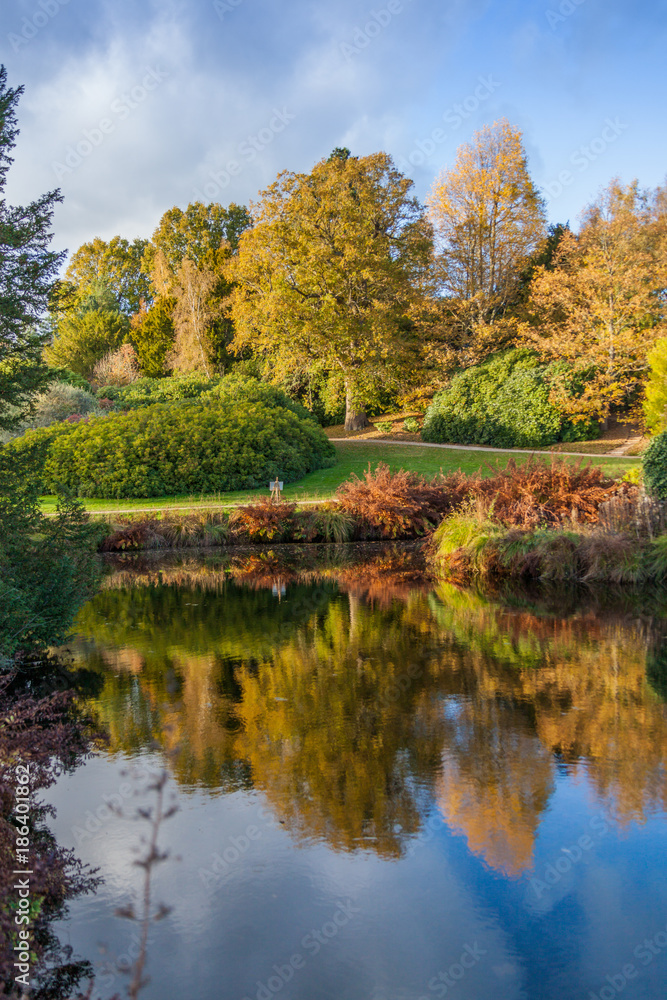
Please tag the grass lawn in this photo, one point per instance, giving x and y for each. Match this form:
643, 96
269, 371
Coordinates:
352, 458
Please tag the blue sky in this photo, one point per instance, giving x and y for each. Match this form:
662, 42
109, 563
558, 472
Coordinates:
132, 106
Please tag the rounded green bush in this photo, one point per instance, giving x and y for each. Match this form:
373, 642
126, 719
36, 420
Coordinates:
242, 390
654, 463
29, 451
200, 447
503, 402
147, 391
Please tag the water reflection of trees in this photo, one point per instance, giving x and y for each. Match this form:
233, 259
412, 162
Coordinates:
356, 699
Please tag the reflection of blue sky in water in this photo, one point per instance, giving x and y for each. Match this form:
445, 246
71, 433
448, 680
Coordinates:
464, 794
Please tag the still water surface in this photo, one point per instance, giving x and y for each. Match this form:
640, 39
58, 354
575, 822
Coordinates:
387, 789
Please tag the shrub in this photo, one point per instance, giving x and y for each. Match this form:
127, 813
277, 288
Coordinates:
119, 367
539, 492
411, 425
147, 391
331, 524
384, 426
29, 451
191, 447
58, 402
172, 530
264, 521
70, 377
241, 390
397, 504
503, 402
654, 463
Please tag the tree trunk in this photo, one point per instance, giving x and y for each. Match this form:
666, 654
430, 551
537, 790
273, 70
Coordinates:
355, 418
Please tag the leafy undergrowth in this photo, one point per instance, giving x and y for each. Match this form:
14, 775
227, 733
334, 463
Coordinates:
473, 545
547, 492
389, 505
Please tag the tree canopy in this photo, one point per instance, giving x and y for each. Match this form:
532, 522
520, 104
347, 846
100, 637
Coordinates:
116, 264
487, 214
329, 271
196, 234
600, 308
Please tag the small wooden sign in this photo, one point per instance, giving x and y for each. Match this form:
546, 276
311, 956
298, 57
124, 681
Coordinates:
276, 488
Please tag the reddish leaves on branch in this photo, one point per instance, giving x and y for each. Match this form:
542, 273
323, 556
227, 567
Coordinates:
539, 492
400, 504
263, 521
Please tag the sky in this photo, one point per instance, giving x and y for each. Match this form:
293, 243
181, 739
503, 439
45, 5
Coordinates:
134, 106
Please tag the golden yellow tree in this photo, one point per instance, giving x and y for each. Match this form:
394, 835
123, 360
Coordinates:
329, 272
488, 218
600, 308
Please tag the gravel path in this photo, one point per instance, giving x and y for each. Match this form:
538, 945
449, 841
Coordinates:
469, 447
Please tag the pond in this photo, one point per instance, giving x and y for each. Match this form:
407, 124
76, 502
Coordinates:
387, 788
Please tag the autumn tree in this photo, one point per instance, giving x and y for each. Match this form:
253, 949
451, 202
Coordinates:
194, 315
489, 219
601, 307
328, 274
117, 264
186, 258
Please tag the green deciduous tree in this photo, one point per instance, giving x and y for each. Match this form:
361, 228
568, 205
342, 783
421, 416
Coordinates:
655, 403
329, 273
196, 234
117, 264
27, 271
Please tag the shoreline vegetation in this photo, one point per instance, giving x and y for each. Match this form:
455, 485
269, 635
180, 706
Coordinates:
354, 457
543, 521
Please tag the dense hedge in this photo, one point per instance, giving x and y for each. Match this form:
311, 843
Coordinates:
232, 388
241, 391
191, 447
655, 467
30, 451
146, 391
503, 402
